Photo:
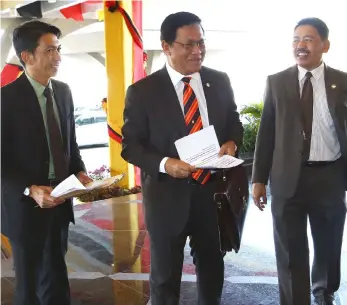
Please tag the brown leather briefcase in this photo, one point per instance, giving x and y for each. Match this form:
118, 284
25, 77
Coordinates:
231, 198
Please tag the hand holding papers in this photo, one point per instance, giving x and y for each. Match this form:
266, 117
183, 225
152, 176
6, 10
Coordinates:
201, 149
72, 187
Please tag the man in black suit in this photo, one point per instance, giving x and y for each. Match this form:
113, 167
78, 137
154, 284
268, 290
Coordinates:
302, 142
39, 150
178, 100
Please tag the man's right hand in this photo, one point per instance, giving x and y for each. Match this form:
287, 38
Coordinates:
42, 196
259, 195
178, 168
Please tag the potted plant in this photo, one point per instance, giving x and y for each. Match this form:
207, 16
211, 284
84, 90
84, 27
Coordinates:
251, 115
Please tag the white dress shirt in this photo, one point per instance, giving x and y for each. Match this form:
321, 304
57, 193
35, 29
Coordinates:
324, 142
198, 89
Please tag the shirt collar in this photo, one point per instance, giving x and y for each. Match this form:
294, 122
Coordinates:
316, 73
176, 77
39, 88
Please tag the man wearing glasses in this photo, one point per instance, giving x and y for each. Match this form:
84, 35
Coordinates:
176, 101
301, 150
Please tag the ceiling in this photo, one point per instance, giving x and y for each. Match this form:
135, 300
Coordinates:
224, 21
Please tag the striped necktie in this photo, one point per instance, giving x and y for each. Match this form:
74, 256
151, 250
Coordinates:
193, 121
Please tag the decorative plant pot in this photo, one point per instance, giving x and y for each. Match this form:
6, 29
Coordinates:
109, 192
248, 157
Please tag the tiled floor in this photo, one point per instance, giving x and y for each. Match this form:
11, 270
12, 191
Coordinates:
108, 260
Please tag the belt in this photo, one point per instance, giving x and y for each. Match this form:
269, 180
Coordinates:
318, 163
212, 178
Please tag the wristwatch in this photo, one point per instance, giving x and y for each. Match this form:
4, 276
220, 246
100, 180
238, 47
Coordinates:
27, 191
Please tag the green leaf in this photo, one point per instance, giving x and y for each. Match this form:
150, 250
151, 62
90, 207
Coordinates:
252, 113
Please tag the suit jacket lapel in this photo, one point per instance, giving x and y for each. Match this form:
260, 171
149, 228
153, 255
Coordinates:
59, 99
33, 106
293, 89
210, 94
168, 95
336, 103
331, 88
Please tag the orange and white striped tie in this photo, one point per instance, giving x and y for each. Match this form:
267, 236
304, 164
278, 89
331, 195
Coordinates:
193, 121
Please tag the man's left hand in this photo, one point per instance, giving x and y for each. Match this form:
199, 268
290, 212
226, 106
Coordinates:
228, 148
84, 178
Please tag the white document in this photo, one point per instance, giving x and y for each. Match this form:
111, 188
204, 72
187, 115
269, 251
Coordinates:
72, 187
69, 185
201, 149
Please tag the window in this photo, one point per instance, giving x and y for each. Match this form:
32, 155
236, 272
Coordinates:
85, 121
100, 119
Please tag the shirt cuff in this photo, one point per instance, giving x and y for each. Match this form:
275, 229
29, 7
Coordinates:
27, 191
162, 165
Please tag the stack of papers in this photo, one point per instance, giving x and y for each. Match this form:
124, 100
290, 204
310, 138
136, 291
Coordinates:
72, 187
201, 149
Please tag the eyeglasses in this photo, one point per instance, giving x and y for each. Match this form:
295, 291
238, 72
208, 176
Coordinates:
190, 46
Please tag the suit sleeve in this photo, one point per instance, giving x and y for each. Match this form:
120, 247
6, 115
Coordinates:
13, 179
265, 139
76, 162
235, 129
136, 147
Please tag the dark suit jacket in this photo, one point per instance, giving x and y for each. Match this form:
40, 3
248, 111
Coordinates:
153, 121
25, 156
280, 138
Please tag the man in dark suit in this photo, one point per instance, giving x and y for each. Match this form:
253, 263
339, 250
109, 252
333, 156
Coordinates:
39, 150
173, 102
302, 143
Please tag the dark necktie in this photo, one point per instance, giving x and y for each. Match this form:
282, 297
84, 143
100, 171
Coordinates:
193, 121
307, 114
55, 139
